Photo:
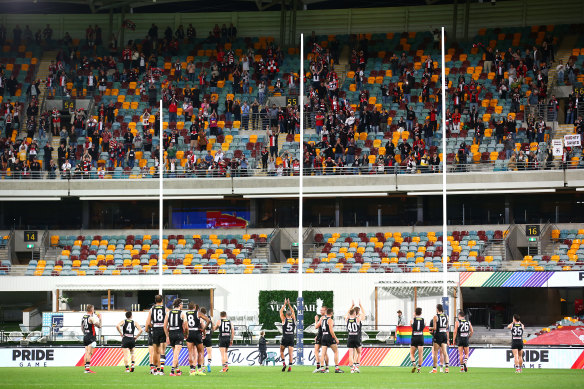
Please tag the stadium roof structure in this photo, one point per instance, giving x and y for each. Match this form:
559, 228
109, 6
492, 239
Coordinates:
172, 6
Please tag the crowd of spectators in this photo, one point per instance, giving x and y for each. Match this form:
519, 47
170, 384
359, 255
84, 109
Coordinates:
78, 72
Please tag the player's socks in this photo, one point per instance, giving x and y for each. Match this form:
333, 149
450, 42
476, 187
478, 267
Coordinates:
414, 366
132, 367
127, 368
283, 366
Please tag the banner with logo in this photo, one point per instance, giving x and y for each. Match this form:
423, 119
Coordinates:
522, 279
546, 358
270, 302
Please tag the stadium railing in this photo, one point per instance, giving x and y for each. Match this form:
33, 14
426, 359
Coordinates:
245, 334
228, 172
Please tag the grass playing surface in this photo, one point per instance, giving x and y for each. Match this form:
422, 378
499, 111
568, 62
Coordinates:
301, 377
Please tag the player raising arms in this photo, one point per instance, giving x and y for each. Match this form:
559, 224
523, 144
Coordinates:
225, 338
440, 326
288, 334
417, 343
195, 337
329, 339
517, 329
174, 327
88, 323
353, 338
318, 341
155, 322
462, 329
127, 328
207, 341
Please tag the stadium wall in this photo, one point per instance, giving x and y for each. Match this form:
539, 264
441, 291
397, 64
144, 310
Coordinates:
237, 293
341, 21
317, 185
534, 358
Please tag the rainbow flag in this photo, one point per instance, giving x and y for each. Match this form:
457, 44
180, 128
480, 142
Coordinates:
403, 335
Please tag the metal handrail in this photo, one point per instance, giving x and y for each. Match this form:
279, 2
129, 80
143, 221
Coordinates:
289, 172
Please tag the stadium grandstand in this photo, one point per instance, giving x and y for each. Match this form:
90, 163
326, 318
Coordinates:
213, 155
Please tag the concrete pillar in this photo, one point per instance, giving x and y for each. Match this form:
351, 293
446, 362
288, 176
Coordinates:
420, 209
253, 213
466, 19
337, 212
85, 214
454, 19
507, 210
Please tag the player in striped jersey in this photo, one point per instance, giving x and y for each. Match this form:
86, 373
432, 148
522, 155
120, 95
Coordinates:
329, 339
194, 320
353, 338
155, 323
517, 330
288, 334
207, 340
127, 329
318, 341
462, 333
174, 327
417, 342
88, 323
225, 338
440, 342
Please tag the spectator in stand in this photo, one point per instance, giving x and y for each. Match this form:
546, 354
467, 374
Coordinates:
553, 107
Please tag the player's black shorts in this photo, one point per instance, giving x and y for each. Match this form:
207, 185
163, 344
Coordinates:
353, 341
224, 341
88, 339
327, 341
208, 341
150, 338
318, 339
158, 336
176, 338
440, 338
462, 341
517, 344
417, 340
195, 337
128, 342
288, 341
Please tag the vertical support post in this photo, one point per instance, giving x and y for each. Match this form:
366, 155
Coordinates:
444, 228
300, 302
283, 24
415, 297
211, 301
57, 300
109, 299
110, 28
466, 19
455, 306
160, 198
376, 305
454, 19
121, 40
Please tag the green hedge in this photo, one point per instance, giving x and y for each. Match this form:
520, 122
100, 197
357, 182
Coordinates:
270, 302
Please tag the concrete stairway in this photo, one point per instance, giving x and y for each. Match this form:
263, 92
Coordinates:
564, 52
260, 252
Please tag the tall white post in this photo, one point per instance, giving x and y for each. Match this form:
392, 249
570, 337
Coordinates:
444, 154
301, 183
160, 199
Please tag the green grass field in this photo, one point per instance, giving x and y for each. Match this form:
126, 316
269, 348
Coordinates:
302, 377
